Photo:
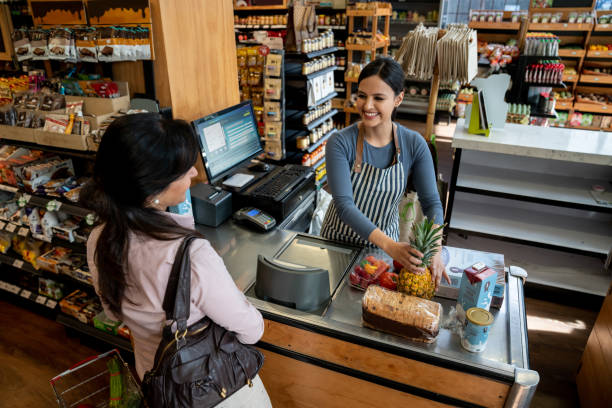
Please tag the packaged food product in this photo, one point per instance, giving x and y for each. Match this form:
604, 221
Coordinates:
124, 331
80, 305
104, 323
38, 42
6, 240
50, 260
21, 44
50, 288
476, 329
476, 290
32, 250
24, 118
400, 314
368, 270
59, 43
86, 44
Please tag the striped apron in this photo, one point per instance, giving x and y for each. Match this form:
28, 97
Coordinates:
376, 193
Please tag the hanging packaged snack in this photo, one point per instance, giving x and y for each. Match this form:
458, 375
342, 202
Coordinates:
255, 76
273, 87
32, 101
145, 42
86, 44
251, 56
21, 43
257, 96
38, 42
24, 118
273, 64
59, 43
273, 130
107, 43
272, 111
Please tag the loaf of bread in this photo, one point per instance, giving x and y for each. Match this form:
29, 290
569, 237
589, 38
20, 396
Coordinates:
400, 314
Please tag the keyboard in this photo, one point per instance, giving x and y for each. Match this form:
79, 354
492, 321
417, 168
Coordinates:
280, 182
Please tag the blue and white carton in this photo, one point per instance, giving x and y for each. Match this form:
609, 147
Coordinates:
476, 290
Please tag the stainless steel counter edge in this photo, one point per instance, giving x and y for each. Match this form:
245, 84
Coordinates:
239, 248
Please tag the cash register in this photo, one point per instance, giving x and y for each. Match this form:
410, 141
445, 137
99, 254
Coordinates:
229, 141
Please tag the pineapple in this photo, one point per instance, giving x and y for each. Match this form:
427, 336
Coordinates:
426, 241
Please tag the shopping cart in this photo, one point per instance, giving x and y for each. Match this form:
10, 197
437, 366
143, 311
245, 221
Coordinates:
88, 384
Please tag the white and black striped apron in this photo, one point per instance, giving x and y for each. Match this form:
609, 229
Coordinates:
376, 193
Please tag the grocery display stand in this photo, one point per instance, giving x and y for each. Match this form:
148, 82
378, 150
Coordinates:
374, 14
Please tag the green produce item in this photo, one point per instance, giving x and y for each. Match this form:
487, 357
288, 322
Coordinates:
116, 383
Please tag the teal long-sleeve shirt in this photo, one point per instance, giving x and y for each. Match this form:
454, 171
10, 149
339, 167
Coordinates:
415, 157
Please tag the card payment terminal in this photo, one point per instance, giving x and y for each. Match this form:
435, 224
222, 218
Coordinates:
256, 217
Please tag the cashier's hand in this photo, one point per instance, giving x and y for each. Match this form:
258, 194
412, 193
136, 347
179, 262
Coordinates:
409, 257
438, 270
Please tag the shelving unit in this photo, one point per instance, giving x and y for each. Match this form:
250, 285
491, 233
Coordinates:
369, 18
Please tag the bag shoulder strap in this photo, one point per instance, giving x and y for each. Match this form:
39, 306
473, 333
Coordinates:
177, 299
359, 153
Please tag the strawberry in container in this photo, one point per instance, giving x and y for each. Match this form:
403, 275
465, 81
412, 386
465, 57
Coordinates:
367, 272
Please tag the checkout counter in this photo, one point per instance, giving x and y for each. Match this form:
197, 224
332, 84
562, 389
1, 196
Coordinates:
326, 358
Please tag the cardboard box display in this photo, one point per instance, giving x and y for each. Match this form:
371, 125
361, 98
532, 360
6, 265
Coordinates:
102, 106
477, 287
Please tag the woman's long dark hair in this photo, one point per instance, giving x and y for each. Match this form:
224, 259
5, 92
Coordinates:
139, 156
389, 71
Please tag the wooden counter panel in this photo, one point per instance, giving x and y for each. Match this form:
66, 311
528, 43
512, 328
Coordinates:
467, 387
292, 383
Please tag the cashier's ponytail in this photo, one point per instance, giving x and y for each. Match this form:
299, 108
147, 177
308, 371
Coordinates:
139, 156
387, 69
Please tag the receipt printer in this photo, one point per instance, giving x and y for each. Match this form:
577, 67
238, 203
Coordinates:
211, 205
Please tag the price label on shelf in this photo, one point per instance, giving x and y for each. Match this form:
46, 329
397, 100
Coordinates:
90, 218
18, 263
2, 225
10, 227
23, 232
25, 294
14, 289
41, 300
10, 189
3, 285
51, 303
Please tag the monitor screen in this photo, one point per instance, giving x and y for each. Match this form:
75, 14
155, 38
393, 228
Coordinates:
228, 138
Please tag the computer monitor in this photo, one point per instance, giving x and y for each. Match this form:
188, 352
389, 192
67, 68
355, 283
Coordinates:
228, 138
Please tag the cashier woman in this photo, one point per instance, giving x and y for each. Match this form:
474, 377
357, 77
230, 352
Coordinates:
368, 164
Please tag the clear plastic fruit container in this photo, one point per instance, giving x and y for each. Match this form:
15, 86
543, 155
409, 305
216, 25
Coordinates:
369, 268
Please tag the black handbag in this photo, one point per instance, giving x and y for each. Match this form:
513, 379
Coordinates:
199, 365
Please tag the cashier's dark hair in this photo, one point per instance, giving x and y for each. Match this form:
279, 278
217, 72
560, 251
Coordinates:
138, 157
387, 69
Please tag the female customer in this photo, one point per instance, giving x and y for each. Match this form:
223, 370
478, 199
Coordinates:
368, 164
145, 164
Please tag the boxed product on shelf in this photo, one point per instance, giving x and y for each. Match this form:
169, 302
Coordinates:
104, 323
81, 305
50, 288
51, 260
124, 331
68, 264
32, 175
81, 273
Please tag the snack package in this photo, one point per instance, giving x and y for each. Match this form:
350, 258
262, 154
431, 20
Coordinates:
50, 288
21, 43
6, 240
74, 107
8, 115
56, 124
87, 50
38, 120
32, 250
70, 263
7, 209
19, 244
108, 44
49, 261
59, 43
81, 273
75, 302
104, 323
66, 230
48, 221
33, 175
34, 219
124, 331
24, 118
38, 42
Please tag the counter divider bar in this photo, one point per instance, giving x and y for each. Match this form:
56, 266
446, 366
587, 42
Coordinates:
429, 359
420, 392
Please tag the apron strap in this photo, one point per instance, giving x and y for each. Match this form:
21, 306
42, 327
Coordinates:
359, 154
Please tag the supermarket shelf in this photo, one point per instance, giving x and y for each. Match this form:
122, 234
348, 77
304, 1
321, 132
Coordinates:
325, 99
254, 8
567, 191
34, 297
413, 23
319, 142
549, 226
599, 54
111, 339
351, 110
331, 27
346, 79
571, 53
592, 107
319, 183
535, 58
603, 27
311, 75
379, 12
546, 85
260, 26
563, 105
571, 78
89, 155
313, 54
340, 68
340, 90
295, 118
317, 164
560, 27
552, 115
27, 267
596, 79
504, 25
44, 201
367, 47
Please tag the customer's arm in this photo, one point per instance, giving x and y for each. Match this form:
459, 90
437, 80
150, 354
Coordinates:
214, 292
339, 180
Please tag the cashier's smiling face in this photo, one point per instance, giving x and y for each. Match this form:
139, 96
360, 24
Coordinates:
376, 101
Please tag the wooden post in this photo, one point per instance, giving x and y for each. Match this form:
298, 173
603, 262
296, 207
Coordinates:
522, 33
433, 95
